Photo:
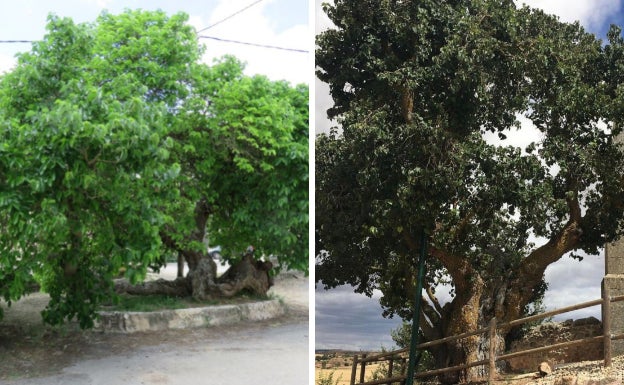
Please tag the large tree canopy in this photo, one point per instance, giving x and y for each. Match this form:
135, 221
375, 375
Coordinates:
418, 86
119, 146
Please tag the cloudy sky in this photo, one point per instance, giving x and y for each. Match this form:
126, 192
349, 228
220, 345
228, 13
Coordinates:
281, 23
353, 321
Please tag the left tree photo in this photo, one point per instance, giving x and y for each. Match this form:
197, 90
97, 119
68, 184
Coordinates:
154, 192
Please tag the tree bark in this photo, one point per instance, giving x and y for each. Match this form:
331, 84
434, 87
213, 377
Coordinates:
177, 288
180, 266
201, 283
477, 301
249, 275
468, 312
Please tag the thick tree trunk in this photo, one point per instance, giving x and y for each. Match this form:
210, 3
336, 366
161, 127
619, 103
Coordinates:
201, 281
248, 275
472, 349
180, 266
470, 310
468, 313
464, 317
178, 288
500, 293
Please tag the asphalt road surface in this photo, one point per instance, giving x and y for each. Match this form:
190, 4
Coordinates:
275, 355
266, 352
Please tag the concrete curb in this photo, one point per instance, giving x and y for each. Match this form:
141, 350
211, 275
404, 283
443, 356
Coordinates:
131, 322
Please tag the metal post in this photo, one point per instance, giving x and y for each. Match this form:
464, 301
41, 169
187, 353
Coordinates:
413, 356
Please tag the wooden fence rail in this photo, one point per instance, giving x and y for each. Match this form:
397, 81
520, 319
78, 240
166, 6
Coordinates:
395, 355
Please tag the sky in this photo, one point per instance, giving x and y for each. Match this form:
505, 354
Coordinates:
281, 23
346, 320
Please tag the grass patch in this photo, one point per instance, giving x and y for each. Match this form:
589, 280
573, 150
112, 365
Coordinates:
147, 303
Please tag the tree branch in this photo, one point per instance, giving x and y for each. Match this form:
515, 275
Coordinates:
458, 268
434, 300
532, 268
561, 243
429, 321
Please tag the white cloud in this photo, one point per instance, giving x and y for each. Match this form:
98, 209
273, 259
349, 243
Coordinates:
590, 13
517, 137
572, 282
196, 22
347, 320
323, 100
6, 63
253, 26
322, 21
99, 3
322, 103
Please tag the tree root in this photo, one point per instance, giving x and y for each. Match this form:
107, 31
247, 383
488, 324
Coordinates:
248, 275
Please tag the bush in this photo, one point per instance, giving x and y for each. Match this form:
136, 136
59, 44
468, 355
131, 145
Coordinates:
328, 379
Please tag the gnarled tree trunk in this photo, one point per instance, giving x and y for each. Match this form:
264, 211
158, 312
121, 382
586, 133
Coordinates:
201, 282
480, 298
247, 275
466, 313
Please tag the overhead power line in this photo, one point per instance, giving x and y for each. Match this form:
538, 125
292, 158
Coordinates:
253, 44
229, 17
16, 41
201, 37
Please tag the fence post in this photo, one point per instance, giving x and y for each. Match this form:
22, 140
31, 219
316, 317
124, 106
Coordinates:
390, 366
606, 325
492, 356
363, 369
403, 370
354, 369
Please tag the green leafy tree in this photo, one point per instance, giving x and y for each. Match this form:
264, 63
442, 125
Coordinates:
416, 87
119, 146
258, 167
83, 161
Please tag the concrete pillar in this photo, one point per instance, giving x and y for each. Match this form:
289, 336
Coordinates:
614, 281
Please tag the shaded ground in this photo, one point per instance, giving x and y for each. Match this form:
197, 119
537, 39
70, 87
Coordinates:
29, 349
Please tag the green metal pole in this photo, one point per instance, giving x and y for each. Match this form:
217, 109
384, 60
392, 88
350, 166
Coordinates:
414, 355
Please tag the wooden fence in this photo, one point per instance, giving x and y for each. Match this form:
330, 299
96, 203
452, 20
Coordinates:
399, 355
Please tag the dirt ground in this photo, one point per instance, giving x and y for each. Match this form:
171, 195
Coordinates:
342, 375
580, 373
30, 349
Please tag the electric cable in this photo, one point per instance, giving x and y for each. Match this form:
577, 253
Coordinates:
252, 44
229, 17
199, 37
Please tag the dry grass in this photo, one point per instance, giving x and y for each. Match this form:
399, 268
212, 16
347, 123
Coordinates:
342, 374
340, 370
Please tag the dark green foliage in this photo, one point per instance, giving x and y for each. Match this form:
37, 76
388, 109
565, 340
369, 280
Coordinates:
417, 86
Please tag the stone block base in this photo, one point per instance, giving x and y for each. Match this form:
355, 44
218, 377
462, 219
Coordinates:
615, 284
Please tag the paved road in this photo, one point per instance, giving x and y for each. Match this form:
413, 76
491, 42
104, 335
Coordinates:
267, 352
276, 355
